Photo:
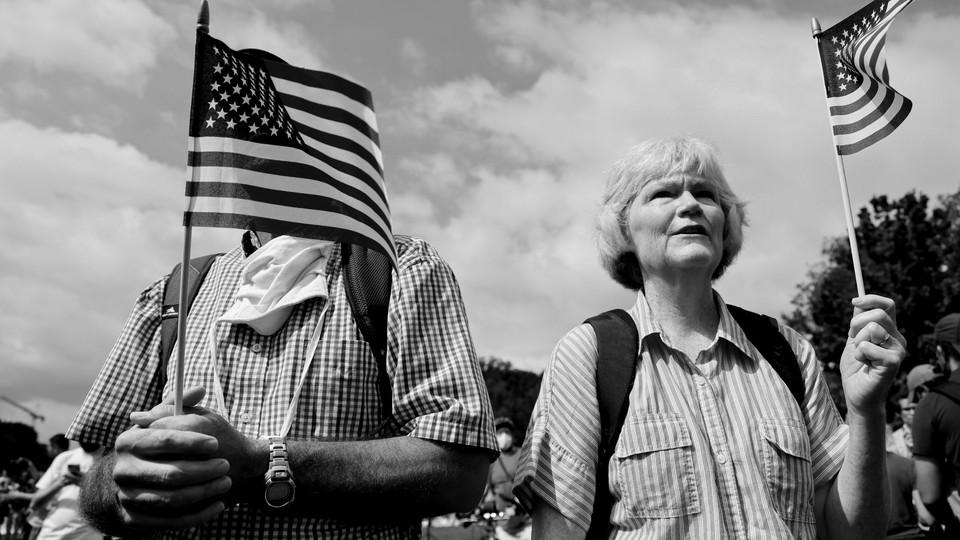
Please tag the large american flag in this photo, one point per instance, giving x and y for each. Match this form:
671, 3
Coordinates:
864, 108
285, 150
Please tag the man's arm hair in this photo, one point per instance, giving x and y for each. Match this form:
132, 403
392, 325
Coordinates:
401, 477
98, 497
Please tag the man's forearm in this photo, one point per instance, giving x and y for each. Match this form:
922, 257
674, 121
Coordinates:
401, 477
858, 507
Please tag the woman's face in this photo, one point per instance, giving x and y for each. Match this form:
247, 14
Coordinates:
676, 223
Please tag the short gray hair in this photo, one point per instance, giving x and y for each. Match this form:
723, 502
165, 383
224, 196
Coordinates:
651, 160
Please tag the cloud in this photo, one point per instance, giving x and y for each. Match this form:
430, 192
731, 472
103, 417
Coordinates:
88, 223
603, 77
115, 41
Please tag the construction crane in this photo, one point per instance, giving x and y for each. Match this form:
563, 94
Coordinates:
36, 417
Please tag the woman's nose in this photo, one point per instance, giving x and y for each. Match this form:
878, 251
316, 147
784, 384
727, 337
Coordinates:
688, 203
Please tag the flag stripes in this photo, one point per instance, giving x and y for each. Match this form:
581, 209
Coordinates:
284, 150
864, 108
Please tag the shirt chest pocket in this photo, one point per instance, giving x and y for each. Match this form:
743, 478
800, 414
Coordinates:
785, 458
346, 402
655, 467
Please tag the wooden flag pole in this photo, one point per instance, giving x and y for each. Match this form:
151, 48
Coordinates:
848, 211
203, 25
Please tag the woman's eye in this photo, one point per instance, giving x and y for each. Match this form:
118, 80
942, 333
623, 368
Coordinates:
707, 194
660, 194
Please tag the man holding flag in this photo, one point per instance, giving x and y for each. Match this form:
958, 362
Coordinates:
298, 420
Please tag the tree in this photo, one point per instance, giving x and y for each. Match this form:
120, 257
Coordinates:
513, 392
908, 251
20, 441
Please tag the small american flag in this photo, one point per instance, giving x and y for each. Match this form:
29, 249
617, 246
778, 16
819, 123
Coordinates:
286, 150
864, 108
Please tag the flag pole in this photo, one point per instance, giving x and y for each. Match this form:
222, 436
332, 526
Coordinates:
845, 192
203, 25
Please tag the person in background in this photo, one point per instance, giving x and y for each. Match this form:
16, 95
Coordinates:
919, 380
714, 444
56, 445
499, 494
936, 434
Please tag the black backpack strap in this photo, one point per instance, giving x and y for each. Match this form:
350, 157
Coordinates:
618, 344
171, 302
368, 283
764, 333
949, 390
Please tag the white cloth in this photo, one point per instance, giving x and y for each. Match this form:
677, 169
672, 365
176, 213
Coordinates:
281, 274
63, 521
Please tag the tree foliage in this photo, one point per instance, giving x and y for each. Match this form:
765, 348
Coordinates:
20, 440
909, 251
513, 392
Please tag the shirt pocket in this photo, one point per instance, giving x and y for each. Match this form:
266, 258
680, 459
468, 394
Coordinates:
347, 404
785, 457
655, 473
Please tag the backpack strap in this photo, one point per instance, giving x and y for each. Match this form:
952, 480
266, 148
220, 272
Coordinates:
171, 302
949, 390
368, 282
764, 333
618, 344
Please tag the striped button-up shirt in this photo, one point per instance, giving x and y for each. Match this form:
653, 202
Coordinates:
712, 447
438, 389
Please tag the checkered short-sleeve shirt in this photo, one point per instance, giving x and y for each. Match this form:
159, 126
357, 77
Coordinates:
438, 389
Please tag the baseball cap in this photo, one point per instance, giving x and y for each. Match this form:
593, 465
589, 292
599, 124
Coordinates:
918, 376
502, 422
947, 329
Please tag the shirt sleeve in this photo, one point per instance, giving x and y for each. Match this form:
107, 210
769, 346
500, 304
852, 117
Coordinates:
130, 379
559, 457
57, 468
926, 443
827, 432
439, 391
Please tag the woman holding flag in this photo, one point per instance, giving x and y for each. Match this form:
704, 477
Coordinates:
721, 437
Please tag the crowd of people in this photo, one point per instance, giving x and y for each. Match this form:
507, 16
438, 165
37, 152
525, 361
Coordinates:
717, 422
42, 505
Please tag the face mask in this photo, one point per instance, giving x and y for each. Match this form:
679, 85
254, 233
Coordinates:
281, 274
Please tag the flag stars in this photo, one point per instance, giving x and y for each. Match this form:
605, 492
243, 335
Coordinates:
218, 68
246, 100
228, 78
213, 104
243, 118
237, 88
215, 86
843, 87
221, 114
224, 96
210, 122
231, 124
273, 131
234, 107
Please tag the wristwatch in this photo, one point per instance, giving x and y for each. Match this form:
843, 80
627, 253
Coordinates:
279, 488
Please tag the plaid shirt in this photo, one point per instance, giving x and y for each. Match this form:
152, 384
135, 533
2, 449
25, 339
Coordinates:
438, 389
716, 448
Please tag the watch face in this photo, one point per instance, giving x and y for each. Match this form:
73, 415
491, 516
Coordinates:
279, 492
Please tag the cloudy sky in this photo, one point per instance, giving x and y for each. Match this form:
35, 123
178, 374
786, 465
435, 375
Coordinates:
498, 121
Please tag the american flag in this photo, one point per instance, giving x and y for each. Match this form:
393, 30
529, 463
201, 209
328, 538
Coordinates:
282, 149
864, 108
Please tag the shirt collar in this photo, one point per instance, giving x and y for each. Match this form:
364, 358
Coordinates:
728, 330
249, 243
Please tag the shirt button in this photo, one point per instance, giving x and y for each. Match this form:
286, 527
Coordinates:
721, 458
701, 381
256, 347
246, 418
